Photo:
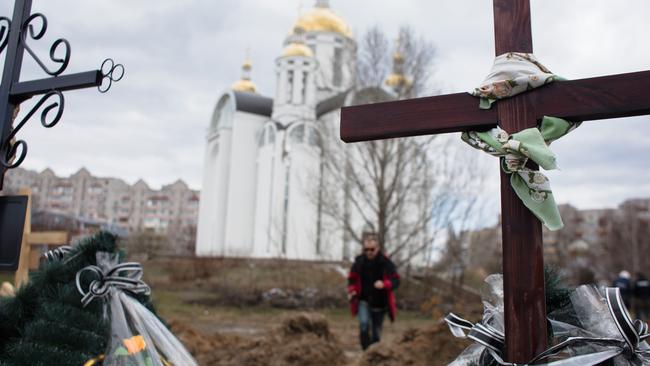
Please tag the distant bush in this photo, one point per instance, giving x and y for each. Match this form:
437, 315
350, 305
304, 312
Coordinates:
285, 284
189, 269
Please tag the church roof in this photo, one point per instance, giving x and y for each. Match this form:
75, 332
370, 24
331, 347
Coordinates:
253, 103
353, 97
331, 103
297, 49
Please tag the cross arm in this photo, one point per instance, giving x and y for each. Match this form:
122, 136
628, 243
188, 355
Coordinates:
411, 117
26, 89
614, 96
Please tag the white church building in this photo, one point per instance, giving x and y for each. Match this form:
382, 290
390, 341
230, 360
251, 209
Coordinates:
262, 167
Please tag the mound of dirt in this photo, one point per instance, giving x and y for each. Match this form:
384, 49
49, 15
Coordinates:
431, 346
200, 344
304, 339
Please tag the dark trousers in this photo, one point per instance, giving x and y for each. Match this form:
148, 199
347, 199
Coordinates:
642, 309
370, 322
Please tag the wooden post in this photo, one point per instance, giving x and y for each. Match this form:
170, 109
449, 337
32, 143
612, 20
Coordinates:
30, 259
523, 254
22, 273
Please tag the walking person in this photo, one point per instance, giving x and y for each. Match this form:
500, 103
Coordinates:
372, 281
642, 297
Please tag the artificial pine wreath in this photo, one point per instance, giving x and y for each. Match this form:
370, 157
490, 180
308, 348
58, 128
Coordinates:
558, 296
46, 324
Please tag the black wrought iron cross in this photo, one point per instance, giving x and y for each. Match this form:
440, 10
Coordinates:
580, 100
14, 35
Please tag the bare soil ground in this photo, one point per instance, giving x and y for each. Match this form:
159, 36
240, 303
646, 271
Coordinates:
220, 318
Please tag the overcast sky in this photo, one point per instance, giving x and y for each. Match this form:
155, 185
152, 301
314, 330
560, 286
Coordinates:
181, 54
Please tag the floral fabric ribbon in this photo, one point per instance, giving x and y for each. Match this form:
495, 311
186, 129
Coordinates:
514, 73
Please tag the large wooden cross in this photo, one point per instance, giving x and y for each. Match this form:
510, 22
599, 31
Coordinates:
579, 100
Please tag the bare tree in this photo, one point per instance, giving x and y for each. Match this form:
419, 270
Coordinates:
626, 237
181, 237
145, 244
374, 62
406, 190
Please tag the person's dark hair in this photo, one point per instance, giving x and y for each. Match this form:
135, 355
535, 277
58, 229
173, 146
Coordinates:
367, 235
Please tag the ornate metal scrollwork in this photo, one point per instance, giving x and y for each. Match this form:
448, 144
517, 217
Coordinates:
31, 29
51, 104
111, 73
4, 32
12, 159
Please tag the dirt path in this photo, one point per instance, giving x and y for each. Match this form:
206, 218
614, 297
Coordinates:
222, 336
220, 332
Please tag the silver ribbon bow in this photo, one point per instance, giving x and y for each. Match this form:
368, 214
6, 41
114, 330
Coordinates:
125, 276
57, 254
632, 345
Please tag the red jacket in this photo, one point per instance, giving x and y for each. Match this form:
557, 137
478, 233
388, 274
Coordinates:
390, 278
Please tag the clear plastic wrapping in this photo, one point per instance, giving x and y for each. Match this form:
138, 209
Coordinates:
138, 337
583, 333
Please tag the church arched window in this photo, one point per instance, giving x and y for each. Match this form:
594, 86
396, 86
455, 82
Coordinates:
297, 134
303, 92
290, 86
338, 67
313, 137
268, 136
223, 114
305, 133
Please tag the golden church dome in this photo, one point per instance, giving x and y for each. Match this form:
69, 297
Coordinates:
323, 19
247, 65
245, 84
398, 57
398, 80
297, 49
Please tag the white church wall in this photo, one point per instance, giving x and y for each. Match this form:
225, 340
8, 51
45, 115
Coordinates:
266, 160
273, 166
222, 171
332, 233
302, 212
279, 219
212, 212
205, 234
242, 185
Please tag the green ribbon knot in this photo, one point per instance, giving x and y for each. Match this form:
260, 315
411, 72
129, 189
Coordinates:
531, 186
515, 73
